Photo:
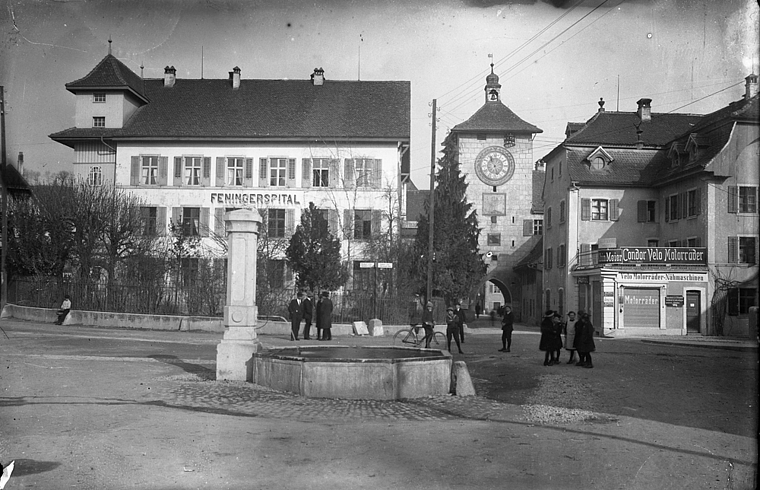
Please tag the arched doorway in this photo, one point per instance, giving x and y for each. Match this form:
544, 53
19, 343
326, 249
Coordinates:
495, 295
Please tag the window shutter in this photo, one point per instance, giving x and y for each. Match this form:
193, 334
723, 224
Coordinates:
204, 224
177, 218
733, 250
135, 177
291, 182
206, 173
527, 227
290, 220
614, 209
306, 172
348, 224
585, 209
562, 211
698, 201
733, 301
163, 170
377, 174
263, 180
332, 222
248, 173
349, 181
684, 196
219, 222
177, 171
161, 221
548, 218
220, 171
585, 258
377, 218
334, 173
641, 211
733, 199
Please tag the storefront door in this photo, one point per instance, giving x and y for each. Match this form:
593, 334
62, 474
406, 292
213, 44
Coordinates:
693, 309
641, 307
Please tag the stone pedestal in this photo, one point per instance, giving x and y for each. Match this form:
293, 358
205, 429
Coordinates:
234, 354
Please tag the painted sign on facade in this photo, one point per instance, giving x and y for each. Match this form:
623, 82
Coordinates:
663, 277
654, 255
255, 199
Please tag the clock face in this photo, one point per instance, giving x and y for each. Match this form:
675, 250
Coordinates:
494, 165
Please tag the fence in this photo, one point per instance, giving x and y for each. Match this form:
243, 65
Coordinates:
195, 299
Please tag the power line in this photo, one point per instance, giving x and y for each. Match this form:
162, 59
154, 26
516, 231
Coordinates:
706, 96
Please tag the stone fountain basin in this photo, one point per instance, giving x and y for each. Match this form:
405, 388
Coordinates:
360, 373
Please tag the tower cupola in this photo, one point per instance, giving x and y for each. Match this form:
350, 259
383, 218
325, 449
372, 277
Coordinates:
493, 87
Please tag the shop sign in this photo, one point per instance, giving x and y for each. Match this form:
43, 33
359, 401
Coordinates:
674, 300
654, 255
663, 277
582, 279
255, 199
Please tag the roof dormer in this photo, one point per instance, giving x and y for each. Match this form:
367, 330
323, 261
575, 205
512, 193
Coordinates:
674, 153
694, 145
599, 159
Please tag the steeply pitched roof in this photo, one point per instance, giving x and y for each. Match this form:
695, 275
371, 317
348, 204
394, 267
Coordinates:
14, 181
265, 109
534, 257
110, 73
537, 206
495, 116
619, 129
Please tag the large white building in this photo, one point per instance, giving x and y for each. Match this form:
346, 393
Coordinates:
192, 149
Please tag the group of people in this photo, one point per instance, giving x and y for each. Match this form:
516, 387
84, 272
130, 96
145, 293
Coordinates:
455, 323
579, 336
302, 309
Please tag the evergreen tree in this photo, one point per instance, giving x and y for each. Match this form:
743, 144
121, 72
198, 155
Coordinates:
458, 266
314, 253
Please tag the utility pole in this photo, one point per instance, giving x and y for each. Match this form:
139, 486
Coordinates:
4, 253
431, 221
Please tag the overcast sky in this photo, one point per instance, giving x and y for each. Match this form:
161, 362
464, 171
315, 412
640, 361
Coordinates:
555, 58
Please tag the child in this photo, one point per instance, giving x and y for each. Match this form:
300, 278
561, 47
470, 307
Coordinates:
64, 310
452, 327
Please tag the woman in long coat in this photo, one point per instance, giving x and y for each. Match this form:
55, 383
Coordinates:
584, 340
548, 342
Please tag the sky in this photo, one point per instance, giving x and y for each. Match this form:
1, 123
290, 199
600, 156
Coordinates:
555, 58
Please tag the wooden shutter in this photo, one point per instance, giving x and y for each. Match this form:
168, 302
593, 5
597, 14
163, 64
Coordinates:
248, 173
161, 221
698, 201
562, 211
334, 173
684, 196
306, 172
290, 221
263, 180
204, 222
135, 176
177, 218
548, 218
641, 211
614, 209
332, 222
733, 301
733, 199
667, 209
348, 223
219, 222
733, 250
349, 181
585, 255
206, 172
177, 171
585, 209
163, 170
377, 174
220, 171
527, 227
291, 181
377, 219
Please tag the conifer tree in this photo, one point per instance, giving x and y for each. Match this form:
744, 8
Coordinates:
458, 266
314, 253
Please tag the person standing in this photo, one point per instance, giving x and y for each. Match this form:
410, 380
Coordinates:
478, 310
584, 340
452, 328
308, 309
63, 310
325, 315
507, 326
548, 338
459, 312
317, 316
427, 323
295, 310
570, 336
559, 326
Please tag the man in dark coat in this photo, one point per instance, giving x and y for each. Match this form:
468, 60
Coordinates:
308, 309
458, 311
584, 340
325, 315
295, 310
507, 326
548, 342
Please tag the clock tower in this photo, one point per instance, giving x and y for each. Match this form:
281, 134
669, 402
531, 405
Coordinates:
504, 187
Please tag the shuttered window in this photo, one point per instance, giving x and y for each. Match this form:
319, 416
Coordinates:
641, 307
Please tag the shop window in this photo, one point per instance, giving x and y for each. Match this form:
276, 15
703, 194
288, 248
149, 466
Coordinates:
320, 172
235, 166
95, 176
99, 122
191, 218
276, 223
740, 300
493, 239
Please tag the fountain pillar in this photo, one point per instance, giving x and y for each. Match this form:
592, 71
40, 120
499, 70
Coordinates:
234, 354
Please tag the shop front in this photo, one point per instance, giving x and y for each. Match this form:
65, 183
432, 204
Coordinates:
646, 291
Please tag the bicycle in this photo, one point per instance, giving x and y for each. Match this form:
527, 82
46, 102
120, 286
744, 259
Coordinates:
412, 336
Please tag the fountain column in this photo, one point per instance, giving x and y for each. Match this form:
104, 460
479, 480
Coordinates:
234, 354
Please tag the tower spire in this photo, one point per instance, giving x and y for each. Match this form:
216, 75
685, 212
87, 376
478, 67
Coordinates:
109, 44
493, 87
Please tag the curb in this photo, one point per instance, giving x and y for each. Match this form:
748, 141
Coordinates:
705, 345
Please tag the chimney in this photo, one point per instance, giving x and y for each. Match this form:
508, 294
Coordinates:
645, 110
318, 77
20, 162
235, 77
601, 104
751, 86
169, 76
639, 139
